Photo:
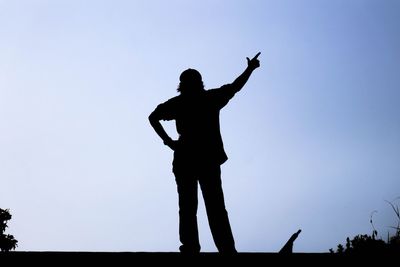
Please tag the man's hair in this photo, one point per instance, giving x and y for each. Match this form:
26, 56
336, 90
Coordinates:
190, 79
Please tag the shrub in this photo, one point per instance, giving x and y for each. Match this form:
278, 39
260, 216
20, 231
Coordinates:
370, 243
7, 242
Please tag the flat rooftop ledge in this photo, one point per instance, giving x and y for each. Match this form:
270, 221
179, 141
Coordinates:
54, 257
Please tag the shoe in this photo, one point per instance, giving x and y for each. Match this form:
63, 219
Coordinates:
186, 250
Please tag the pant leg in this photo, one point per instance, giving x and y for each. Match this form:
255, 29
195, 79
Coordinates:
211, 187
188, 202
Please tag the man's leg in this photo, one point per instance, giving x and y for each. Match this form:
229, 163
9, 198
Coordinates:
210, 182
188, 231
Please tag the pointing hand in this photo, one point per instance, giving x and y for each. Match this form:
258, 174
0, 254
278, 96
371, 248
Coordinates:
253, 63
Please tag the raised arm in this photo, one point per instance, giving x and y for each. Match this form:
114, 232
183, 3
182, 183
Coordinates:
252, 64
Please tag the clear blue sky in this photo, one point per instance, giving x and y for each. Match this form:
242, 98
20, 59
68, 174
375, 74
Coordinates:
313, 139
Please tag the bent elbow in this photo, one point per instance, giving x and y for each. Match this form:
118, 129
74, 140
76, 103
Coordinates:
152, 118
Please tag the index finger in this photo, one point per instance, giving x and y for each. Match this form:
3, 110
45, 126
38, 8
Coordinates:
256, 56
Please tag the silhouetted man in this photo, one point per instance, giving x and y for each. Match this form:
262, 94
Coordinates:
199, 153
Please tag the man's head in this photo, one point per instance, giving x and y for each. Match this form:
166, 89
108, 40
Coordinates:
190, 81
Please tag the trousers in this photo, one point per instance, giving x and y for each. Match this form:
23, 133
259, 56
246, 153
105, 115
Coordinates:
209, 178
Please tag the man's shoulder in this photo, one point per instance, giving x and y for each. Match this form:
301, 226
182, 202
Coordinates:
173, 100
219, 89
167, 110
225, 91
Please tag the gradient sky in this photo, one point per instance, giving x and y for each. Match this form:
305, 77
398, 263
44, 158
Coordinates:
313, 139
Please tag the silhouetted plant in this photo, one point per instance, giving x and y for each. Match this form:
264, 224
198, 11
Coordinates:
7, 242
288, 247
370, 243
394, 241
